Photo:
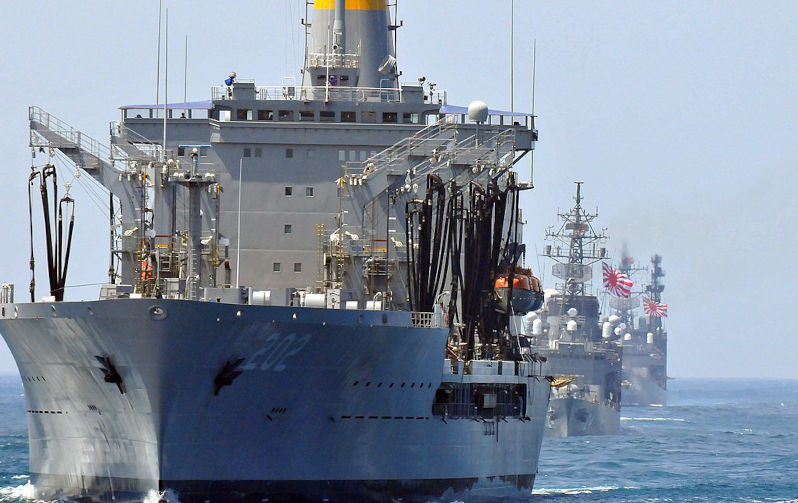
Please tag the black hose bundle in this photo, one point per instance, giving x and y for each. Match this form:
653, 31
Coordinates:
57, 250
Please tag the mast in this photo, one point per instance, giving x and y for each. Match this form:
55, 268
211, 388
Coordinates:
576, 247
626, 307
655, 288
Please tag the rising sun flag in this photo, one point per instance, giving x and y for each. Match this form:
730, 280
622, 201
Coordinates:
652, 308
616, 282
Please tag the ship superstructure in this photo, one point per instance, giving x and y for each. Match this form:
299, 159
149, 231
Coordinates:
302, 301
645, 341
586, 401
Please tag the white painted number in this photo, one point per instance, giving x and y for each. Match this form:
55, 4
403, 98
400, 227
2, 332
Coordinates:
276, 351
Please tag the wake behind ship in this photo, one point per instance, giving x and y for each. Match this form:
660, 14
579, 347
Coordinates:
290, 314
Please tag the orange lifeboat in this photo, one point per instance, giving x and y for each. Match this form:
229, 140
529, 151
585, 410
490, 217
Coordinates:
525, 292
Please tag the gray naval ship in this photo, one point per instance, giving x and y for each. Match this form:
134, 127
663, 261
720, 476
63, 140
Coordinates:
586, 399
290, 313
645, 343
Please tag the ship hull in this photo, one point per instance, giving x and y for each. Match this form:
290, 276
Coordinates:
330, 405
645, 381
643, 390
116, 489
569, 417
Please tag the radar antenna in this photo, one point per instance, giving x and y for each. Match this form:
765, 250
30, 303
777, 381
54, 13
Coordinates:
576, 247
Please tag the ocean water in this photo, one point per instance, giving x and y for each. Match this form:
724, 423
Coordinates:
716, 441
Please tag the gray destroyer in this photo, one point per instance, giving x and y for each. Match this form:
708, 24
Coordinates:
586, 400
290, 313
645, 343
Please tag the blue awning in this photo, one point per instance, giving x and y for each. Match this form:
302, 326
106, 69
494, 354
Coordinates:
204, 105
452, 109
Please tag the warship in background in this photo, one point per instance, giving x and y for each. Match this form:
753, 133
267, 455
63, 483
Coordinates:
290, 314
645, 341
586, 399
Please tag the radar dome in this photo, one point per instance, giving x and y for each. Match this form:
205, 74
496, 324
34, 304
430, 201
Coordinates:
614, 319
572, 312
571, 326
627, 337
478, 111
617, 331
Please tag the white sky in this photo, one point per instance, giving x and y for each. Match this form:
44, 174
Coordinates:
679, 117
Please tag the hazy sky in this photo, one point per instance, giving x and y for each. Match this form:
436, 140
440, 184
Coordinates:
678, 116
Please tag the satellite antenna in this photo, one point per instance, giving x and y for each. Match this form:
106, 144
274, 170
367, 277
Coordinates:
478, 113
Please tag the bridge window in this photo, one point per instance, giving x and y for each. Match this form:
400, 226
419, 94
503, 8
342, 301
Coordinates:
348, 117
327, 116
342, 155
258, 152
368, 116
289, 153
389, 117
285, 115
307, 115
410, 118
289, 191
288, 229
308, 191
265, 115
276, 267
244, 115
297, 266
247, 152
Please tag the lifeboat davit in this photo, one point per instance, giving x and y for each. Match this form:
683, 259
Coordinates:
525, 292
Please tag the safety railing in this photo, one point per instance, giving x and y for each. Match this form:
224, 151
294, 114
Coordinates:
425, 319
6, 293
333, 93
142, 147
471, 411
65, 132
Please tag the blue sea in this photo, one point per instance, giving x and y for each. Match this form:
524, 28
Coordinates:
715, 441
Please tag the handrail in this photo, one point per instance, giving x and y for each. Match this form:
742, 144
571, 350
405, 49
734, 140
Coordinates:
424, 319
124, 134
67, 132
288, 92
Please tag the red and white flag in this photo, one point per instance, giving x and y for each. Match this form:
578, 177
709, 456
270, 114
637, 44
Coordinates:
616, 282
656, 309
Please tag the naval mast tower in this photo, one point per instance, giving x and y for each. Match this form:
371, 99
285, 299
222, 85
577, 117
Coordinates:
576, 247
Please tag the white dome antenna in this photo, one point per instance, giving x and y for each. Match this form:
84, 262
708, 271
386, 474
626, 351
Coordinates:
478, 111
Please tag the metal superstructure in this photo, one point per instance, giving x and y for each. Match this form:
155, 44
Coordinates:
301, 301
